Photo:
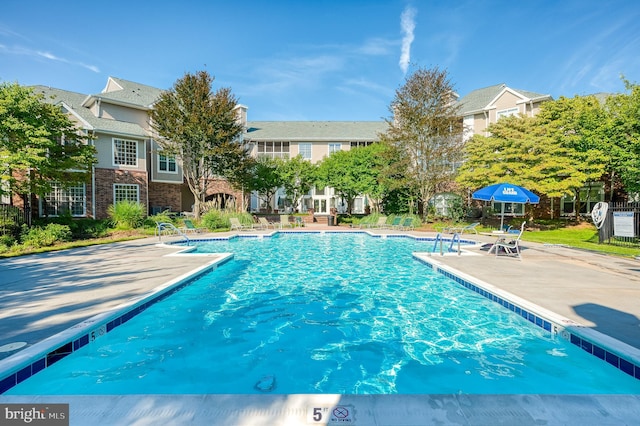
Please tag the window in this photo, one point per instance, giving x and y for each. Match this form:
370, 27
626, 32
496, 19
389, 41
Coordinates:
333, 147
61, 200
305, 150
589, 196
506, 112
273, 149
125, 152
360, 144
510, 209
166, 164
125, 192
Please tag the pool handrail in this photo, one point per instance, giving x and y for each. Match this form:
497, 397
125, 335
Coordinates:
166, 225
456, 236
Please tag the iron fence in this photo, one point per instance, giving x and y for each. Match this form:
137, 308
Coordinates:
11, 219
606, 233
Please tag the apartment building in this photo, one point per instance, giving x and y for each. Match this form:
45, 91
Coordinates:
481, 107
131, 165
313, 140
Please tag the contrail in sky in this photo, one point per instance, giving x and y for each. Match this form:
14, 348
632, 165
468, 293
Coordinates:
407, 24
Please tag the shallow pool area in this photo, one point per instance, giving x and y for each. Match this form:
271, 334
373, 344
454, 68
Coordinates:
326, 313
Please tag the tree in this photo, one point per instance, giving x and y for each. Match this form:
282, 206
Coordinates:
39, 144
200, 128
425, 131
518, 152
352, 173
297, 176
576, 125
622, 138
372, 160
264, 178
555, 153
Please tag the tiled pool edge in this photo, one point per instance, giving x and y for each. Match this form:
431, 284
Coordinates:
33, 359
620, 355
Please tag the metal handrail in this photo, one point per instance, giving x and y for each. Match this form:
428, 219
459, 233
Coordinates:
455, 237
166, 225
435, 244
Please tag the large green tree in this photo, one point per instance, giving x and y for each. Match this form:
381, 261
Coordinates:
264, 178
518, 152
576, 125
425, 132
555, 153
297, 176
353, 173
39, 144
200, 128
622, 138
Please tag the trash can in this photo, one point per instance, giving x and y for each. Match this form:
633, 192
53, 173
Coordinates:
330, 220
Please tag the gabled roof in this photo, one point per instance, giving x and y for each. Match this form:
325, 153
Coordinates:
127, 93
339, 131
73, 102
482, 99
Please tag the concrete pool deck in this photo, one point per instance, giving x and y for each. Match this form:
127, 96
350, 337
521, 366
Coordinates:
43, 294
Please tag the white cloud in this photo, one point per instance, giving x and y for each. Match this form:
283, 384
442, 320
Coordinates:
46, 55
407, 24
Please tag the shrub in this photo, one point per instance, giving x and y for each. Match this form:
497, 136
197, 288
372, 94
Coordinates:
214, 219
37, 237
151, 222
126, 214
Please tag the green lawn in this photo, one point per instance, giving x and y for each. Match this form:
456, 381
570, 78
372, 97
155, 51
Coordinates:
581, 237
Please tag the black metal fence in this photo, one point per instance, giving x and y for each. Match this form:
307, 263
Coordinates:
11, 219
607, 233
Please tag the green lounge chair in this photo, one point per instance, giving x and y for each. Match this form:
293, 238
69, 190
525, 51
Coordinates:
190, 227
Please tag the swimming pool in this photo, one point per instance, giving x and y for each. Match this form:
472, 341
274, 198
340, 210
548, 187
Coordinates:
326, 313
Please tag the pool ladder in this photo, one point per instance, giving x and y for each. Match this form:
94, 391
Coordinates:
439, 240
161, 226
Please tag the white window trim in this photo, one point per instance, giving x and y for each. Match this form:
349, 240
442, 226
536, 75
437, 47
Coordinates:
113, 153
507, 112
84, 202
338, 144
310, 148
115, 185
175, 172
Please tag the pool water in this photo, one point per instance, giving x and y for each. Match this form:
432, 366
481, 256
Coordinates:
327, 313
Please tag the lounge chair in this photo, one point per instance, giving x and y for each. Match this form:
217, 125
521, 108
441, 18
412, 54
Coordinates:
407, 224
190, 227
284, 221
462, 229
511, 247
397, 221
381, 223
298, 221
265, 224
236, 225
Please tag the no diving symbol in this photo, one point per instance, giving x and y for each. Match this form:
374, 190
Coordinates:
341, 412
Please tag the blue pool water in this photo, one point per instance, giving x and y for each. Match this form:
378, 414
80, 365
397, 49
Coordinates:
327, 313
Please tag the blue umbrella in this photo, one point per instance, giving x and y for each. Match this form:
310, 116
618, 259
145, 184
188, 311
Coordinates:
505, 193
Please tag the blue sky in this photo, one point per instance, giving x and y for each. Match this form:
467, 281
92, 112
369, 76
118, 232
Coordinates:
325, 59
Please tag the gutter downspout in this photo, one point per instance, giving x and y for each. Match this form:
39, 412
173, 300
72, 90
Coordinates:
486, 122
93, 186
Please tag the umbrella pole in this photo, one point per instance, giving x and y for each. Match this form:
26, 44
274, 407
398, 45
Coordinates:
502, 217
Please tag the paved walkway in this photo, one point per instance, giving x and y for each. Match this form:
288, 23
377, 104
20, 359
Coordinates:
41, 295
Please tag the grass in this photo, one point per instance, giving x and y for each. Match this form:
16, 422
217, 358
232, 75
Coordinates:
583, 236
